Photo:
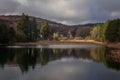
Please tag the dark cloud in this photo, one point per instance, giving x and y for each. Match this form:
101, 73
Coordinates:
109, 5
65, 11
8, 6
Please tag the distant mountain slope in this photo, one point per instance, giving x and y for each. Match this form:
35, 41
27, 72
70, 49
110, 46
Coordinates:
76, 30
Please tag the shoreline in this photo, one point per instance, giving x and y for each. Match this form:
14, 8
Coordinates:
115, 45
48, 42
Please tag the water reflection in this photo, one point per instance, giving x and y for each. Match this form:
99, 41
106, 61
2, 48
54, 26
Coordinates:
27, 58
60, 46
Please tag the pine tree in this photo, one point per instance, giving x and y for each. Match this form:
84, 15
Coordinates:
22, 28
27, 28
44, 31
112, 31
4, 34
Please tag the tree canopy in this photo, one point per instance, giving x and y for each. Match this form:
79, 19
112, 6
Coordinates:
44, 30
109, 31
27, 28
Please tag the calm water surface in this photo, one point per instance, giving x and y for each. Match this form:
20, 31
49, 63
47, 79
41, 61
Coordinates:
59, 62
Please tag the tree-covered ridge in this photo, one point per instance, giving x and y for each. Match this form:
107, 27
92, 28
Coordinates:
29, 29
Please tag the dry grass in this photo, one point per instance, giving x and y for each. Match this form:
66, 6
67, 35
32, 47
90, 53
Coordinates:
47, 42
82, 41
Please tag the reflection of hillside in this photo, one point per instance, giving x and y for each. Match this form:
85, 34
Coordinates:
98, 54
29, 57
76, 53
114, 55
6, 55
109, 57
113, 59
26, 57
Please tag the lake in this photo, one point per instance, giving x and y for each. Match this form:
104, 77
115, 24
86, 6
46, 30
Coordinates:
59, 62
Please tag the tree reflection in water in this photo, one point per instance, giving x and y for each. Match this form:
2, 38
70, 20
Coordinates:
28, 57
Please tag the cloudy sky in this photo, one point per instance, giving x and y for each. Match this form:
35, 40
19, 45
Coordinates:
64, 11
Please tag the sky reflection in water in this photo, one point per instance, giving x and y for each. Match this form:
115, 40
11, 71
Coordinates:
59, 62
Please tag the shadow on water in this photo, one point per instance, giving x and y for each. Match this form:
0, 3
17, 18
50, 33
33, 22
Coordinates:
28, 57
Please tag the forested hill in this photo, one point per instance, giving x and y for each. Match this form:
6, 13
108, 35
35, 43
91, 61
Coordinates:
76, 30
25, 28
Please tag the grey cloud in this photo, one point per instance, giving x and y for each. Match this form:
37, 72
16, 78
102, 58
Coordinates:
8, 6
109, 5
65, 11
105, 9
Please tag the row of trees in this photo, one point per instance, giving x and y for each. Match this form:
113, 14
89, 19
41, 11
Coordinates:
108, 31
27, 30
7, 34
44, 30
113, 30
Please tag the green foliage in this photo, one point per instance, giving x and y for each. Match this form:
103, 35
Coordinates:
27, 29
34, 30
22, 24
44, 30
119, 32
97, 32
109, 31
7, 34
4, 38
112, 31
22, 28
12, 35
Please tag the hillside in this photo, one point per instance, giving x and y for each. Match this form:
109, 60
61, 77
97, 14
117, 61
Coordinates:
75, 30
